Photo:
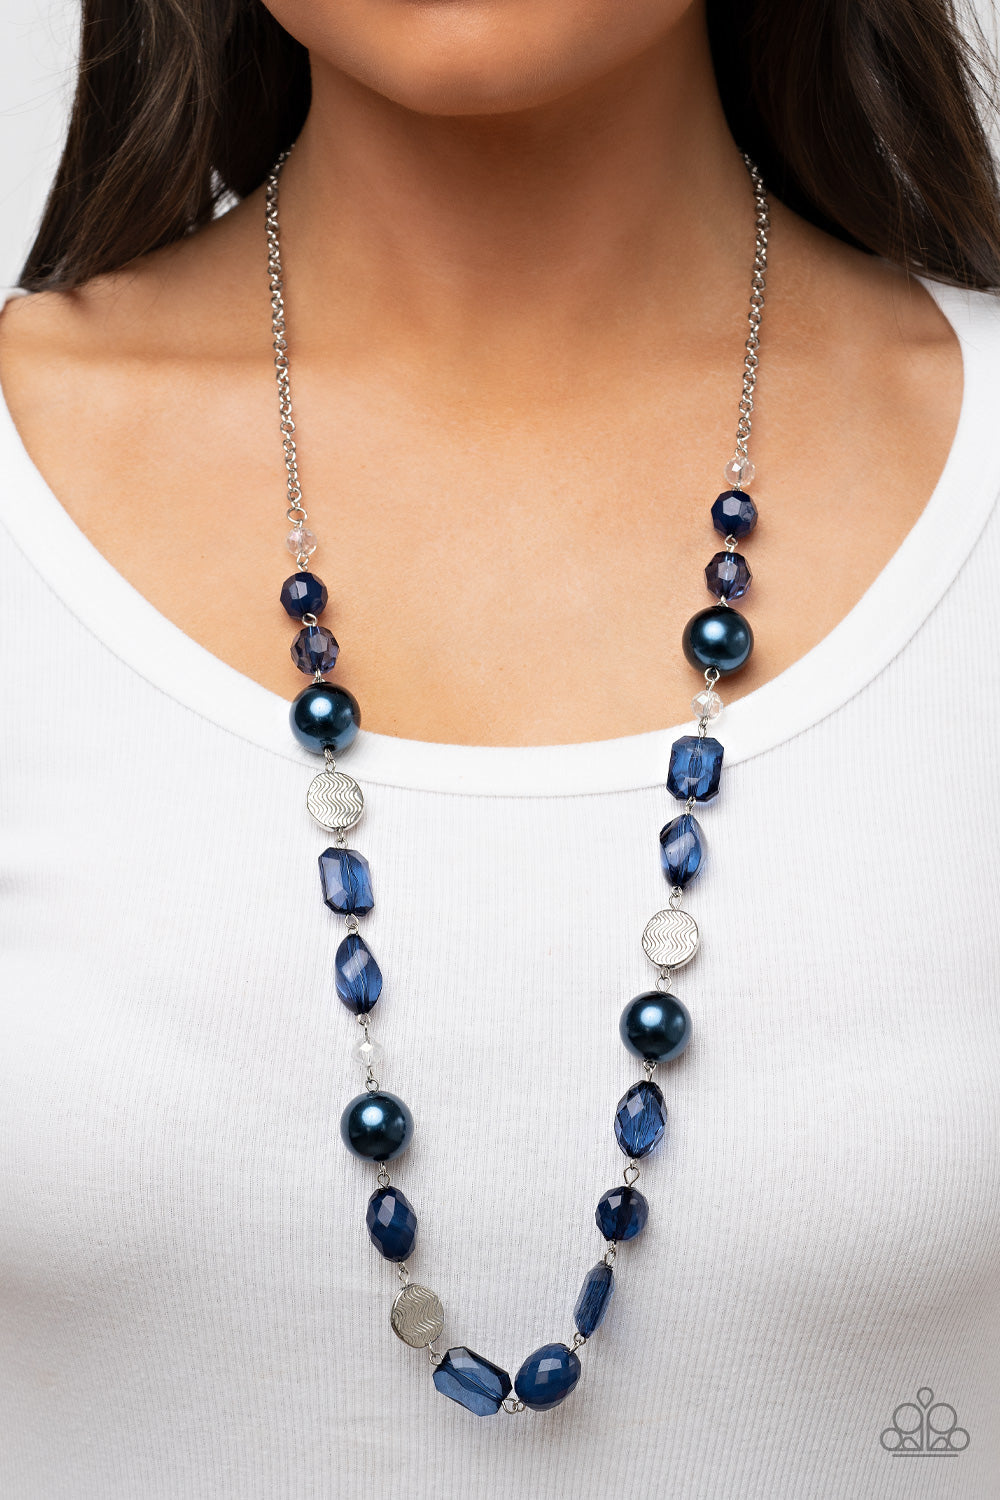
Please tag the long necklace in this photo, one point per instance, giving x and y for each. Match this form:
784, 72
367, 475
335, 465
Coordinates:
655, 1026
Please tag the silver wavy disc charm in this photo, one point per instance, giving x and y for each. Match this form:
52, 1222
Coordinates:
417, 1316
335, 800
671, 938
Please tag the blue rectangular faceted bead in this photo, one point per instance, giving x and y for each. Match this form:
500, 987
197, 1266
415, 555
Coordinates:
695, 768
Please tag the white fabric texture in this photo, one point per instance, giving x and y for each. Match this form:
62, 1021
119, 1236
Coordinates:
189, 1302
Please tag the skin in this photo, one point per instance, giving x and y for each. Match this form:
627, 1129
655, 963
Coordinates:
517, 240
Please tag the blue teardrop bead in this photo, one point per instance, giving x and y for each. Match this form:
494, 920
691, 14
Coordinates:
303, 594
392, 1223
325, 718
695, 768
356, 974
734, 513
622, 1213
641, 1119
718, 637
682, 849
346, 880
655, 1026
594, 1299
475, 1383
376, 1126
547, 1376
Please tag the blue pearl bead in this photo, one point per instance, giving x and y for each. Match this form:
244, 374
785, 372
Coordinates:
303, 594
640, 1119
346, 879
734, 513
472, 1381
325, 718
376, 1126
315, 649
547, 1377
622, 1213
682, 849
391, 1223
594, 1299
718, 637
356, 975
655, 1026
695, 768
728, 575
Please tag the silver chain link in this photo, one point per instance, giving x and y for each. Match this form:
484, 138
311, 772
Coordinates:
762, 223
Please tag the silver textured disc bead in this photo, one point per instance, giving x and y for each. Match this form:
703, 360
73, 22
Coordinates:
335, 800
417, 1316
671, 938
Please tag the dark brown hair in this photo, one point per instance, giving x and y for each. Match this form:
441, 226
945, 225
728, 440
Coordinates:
865, 116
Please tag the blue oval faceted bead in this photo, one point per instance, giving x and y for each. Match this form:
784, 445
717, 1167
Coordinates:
682, 849
315, 649
728, 575
325, 718
303, 594
641, 1119
356, 974
622, 1213
392, 1223
695, 768
655, 1026
547, 1376
594, 1299
718, 637
472, 1381
376, 1126
346, 881
734, 513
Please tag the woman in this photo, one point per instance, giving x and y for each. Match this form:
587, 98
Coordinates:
510, 263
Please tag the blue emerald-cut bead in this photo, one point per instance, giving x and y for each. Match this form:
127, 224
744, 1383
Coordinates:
376, 1126
655, 1026
718, 637
547, 1376
734, 513
695, 768
682, 849
594, 1299
472, 1381
303, 594
356, 974
641, 1119
346, 881
324, 717
315, 649
622, 1213
392, 1223
728, 575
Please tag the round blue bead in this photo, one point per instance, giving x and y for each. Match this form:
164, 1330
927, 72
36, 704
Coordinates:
303, 594
734, 513
655, 1026
547, 1376
622, 1213
718, 637
391, 1223
728, 575
682, 849
324, 717
315, 649
376, 1126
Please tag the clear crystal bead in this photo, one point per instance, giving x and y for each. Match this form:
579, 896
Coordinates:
706, 705
368, 1053
301, 542
739, 472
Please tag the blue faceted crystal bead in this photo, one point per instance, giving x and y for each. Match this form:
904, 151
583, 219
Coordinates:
728, 575
392, 1223
594, 1299
346, 881
718, 637
547, 1376
315, 649
655, 1026
303, 594
622, 1213
356, 974
641, 1119
376, 1126
325, 718
472, 1381
734, 513
682, 849
695, 768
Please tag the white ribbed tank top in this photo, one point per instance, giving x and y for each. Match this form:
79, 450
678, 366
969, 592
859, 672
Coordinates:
189, 1302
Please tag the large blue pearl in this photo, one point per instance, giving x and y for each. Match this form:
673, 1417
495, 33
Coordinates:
718, 637
376, 1126
325, 718
655, 1026
547, 1376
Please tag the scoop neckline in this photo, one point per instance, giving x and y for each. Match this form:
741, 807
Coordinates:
845, 661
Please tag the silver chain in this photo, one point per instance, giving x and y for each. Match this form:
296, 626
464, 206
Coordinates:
762, 223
